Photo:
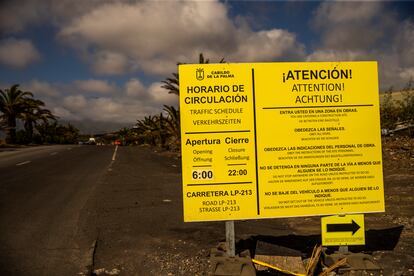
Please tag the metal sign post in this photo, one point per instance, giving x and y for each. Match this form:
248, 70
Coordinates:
230, 240
343, 249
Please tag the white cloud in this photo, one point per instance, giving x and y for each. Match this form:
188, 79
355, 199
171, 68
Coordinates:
339, 12
134, 88
404, 43
116, 37
407, 74
105, 109
18, 53
161, 96
75, 102
144, 36
42, 88
63, 113
118, 104
366, 31
15, 16
93, 85
146, 31
268, 45
334, 55
109, 63
353, 25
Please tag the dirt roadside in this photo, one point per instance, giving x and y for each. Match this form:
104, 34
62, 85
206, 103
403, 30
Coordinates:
137, 219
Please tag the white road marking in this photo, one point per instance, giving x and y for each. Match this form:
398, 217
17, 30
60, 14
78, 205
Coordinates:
53, 153
114, 155
23, 163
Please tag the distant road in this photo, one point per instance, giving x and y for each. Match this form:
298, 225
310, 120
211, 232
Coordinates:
43, 191
16, 156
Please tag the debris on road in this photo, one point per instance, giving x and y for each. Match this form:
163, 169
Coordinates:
351, 262
103, 271
284, 260
222, 264
313, 261
329, 270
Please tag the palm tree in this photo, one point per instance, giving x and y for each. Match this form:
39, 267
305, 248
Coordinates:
160, 130
172, 84
124, 135
12, 104
152, 130
47, 131
32, 114
54, 133
2, 123
173, 124
148, 127
66, 134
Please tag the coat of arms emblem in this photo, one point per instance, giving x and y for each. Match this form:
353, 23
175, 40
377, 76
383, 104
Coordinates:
199, 74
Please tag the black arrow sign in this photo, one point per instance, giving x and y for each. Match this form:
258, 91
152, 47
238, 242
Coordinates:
343, 227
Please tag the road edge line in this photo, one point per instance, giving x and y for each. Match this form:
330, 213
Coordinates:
115, 151
23, 163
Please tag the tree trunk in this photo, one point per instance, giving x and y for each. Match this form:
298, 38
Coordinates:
28, 126
11, 130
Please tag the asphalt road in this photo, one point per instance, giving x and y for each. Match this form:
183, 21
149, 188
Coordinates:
43, 191
72, 210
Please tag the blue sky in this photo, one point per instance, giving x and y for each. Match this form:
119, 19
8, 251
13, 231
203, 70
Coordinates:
100, 62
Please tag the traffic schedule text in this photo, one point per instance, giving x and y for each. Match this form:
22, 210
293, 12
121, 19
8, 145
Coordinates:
267, 140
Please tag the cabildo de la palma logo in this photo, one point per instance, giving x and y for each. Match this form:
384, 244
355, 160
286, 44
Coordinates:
200, 74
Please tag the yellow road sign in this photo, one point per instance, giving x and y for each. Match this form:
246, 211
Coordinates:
266, 140
343, 230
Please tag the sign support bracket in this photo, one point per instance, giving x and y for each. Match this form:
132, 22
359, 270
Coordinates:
230, 240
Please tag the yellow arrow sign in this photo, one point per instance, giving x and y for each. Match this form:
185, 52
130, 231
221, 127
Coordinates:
343, 230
